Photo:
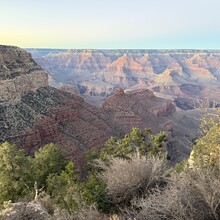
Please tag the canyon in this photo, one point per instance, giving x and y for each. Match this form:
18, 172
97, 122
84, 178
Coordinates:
32, 113
182, 76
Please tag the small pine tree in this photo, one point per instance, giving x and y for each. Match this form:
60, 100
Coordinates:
206, 151
15, 173
145, 142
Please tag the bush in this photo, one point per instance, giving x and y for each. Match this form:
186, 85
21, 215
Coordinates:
48, 160
15, 173
21, 175
206, 152
64, 188
94, 191
191, 196
126, 179
145, 142
89, 213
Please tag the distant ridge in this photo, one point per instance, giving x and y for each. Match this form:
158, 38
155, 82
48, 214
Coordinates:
96, 74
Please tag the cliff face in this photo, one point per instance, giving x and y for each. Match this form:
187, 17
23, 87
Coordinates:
140, 109
49, 115
101, 72
19, 74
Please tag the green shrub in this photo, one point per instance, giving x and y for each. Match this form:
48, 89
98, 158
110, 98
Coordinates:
15, 173
145, 142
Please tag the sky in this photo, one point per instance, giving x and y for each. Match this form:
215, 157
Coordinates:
111, 24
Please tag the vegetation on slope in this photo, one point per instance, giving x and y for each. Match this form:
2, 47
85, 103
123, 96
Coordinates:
129, 178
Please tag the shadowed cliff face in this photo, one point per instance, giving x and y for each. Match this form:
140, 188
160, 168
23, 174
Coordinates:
99, 73
49, 115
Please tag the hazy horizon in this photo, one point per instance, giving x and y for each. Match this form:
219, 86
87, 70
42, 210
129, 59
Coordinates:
115, 24
56, 48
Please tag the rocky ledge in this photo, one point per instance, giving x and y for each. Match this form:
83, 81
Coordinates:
19, 74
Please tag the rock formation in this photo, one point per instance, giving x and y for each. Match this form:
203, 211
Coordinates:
19, 74
101, 72
34, 113
140, 109
25, 210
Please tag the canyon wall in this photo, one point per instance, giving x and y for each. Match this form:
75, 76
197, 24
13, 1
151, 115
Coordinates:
99, 73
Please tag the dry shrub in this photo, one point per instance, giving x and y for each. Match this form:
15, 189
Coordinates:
85, 213
192, 196
89, 213
126, 179
47, 203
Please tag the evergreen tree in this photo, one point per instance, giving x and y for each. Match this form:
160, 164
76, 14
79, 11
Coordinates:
15, 173
206, 151
49, 159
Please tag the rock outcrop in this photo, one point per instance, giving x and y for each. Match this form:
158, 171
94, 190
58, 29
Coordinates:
140, 109
49, 115
25, 210
19, 74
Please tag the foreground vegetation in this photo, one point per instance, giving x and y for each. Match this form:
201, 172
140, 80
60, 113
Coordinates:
128, 179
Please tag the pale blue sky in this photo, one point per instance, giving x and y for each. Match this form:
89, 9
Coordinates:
144, 24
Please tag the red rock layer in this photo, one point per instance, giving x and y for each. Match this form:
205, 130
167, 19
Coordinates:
137, 109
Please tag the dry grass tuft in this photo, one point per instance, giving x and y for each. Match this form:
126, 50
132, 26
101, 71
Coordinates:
126, 179
191, 196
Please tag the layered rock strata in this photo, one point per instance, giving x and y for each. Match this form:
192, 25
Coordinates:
99, 73
19, 74
140, 109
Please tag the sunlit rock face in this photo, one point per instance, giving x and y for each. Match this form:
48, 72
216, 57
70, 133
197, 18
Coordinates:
99, 73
